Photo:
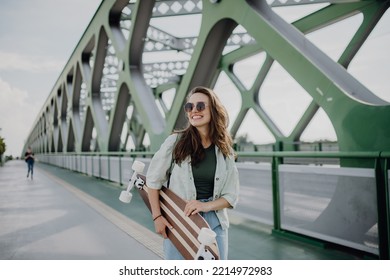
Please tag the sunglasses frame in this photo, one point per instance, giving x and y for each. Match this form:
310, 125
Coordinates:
200, 106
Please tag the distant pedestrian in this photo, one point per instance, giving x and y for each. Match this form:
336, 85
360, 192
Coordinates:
29, 159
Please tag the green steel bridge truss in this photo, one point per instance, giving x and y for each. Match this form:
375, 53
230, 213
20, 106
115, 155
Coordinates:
113, 90
125, 83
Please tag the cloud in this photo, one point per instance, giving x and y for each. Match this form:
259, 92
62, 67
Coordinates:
35, 64
16, 117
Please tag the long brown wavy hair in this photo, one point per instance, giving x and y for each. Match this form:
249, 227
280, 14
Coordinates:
190, 144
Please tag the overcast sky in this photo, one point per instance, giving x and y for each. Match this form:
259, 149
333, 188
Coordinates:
36, 40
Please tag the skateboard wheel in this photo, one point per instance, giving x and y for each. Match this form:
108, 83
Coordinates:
138, 166
206, 236
125, 196
204, 255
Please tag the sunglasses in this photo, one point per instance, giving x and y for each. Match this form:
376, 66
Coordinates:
200, 106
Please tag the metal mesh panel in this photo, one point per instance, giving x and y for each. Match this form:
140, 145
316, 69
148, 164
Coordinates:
255, 192
334, 204
126, 170
96, 166
89, 164
115, 169
104, 169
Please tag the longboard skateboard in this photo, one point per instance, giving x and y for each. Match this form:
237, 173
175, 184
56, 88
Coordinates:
191, 235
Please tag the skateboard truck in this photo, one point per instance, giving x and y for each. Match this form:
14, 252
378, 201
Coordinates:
138, 167
206, 237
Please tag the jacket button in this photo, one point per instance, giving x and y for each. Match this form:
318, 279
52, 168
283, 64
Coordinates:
217, 178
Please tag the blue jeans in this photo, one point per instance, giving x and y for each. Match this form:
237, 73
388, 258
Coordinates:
171, 253
30, 167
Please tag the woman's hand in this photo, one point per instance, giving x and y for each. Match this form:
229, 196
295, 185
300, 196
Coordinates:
160, 225
195, 206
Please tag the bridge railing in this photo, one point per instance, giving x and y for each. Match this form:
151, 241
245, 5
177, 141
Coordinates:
302, 195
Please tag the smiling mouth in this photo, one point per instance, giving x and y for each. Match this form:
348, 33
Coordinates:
196, 117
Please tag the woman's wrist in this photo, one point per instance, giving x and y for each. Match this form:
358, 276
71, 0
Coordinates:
208, 206
156, 217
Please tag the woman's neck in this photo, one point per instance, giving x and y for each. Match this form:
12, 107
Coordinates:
205, 138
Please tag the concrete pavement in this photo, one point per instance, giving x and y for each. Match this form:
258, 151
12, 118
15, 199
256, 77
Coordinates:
47, 218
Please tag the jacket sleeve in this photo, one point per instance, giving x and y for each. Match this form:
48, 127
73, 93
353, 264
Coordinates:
156, 175
231, 189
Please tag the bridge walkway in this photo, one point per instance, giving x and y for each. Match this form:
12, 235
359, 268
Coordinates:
65, 215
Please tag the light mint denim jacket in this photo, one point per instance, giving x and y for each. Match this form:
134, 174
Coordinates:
226, 182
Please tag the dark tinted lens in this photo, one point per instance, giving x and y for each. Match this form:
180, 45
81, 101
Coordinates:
200, 106
188, 107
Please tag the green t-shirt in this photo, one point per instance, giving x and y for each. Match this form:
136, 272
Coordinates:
204, 174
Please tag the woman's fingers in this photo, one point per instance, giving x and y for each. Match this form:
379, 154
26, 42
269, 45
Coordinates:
193, 207
160, 225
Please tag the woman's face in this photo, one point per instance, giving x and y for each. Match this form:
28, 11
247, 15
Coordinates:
200, 115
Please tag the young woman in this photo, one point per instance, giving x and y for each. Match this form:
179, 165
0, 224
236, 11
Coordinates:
204, 171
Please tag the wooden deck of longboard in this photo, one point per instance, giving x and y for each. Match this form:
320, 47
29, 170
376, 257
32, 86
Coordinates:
184, 234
